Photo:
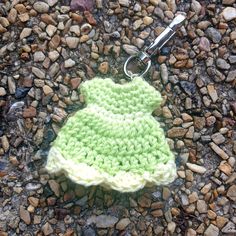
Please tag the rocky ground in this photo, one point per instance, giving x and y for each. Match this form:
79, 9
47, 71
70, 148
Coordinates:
46, 51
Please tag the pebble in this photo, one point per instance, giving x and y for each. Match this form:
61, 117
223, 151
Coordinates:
229, 13
196, 7
51, 30
21, 92
41, 7
222, 64
47, 90
12, 16
5, 143
2, 91
124, 3
212, 230
24, 215
231, 193
51, 3
69, 63
103, 221
29, 112
147, 20
204, 44
11, 85
72, 42
47, 229
218, 138
171, 227
196, 168
103, 67
38, 72
231, 76
214, 34
123, 223
212, 92
26, 32
219, 151
39, 56
33, 201
144, 202
164, 73
229, 228
130, 49
176, 132
53, 55
55, 187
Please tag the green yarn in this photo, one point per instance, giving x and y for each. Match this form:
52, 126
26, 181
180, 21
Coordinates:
113, 136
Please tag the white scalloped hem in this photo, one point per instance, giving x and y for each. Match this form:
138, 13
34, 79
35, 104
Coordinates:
86, 175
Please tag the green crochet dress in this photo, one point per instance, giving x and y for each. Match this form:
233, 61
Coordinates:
114, 141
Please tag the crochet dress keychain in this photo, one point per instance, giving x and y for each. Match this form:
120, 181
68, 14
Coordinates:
115, 141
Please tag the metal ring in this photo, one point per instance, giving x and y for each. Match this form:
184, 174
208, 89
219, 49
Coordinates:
130, 74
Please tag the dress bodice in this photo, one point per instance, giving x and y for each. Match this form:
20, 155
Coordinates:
132, 97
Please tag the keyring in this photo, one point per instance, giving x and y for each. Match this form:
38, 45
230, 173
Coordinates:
130, 74
160, 41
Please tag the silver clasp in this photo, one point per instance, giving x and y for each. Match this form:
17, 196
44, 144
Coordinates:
145, 56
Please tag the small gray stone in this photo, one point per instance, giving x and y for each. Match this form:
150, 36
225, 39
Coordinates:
39, 56
54, 68
213, 34
232, 59
222, 64
229, 228
124, 3
103, 221
218, 138
41, 7
38, 72
130, 49
69, 63
231, 76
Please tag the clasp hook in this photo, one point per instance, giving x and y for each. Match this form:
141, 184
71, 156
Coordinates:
145, 56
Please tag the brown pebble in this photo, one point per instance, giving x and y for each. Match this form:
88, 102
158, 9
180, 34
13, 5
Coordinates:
104, 67
29, 112
77, 18
89, 17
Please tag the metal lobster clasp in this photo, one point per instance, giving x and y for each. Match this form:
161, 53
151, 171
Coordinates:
144, 57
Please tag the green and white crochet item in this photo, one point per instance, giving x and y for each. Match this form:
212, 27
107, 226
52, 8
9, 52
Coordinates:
114, 141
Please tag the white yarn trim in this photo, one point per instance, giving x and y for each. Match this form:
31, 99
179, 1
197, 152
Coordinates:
84, 174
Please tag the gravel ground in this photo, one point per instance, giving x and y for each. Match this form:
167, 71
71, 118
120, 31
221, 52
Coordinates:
46, 51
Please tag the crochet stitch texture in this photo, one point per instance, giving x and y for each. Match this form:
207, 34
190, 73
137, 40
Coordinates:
114, 141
